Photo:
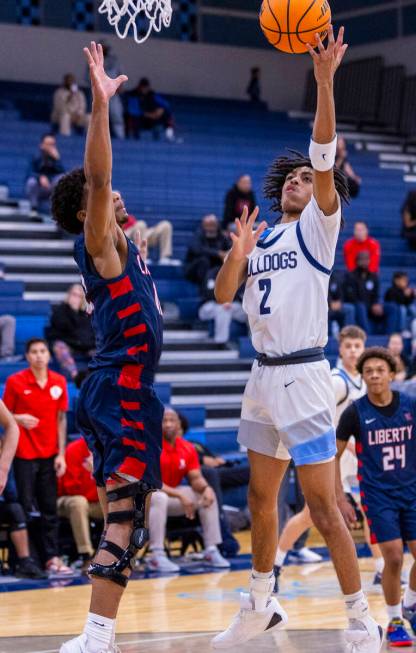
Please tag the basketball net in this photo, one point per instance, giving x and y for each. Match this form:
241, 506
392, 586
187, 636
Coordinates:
142, 16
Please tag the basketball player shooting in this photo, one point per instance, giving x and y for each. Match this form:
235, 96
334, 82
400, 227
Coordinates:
288, 406
118, 411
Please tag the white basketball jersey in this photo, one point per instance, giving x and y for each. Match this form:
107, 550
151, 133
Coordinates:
347, 389
286, 295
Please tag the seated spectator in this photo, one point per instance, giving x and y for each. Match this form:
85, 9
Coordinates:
361, 288
402, 295
221, 314
340, 313
362, 243
70, 332
207, 250
7, 339
254, 88
11, 512
38, 400
147, 110
241, 195
159, 235
78, 498
403, 364
341, 162
69, 107
179, 461
44, 172
409, 219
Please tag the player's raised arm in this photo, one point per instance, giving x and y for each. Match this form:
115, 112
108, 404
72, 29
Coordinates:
98, 154
323, 145
234, 269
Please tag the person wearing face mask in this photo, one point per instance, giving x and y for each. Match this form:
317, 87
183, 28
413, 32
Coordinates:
69, 106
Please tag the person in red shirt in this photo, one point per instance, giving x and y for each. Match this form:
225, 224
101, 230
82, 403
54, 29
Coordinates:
362, 243
38, 399
78, 497
179, 461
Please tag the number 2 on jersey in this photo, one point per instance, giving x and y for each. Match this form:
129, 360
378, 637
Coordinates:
391, 454
265, 285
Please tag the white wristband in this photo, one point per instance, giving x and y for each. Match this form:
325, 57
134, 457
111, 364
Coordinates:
323, 156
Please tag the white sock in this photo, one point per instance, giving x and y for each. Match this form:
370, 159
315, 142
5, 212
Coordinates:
280, 557
158, 552
409, 597
213, 547
394, 611
357, 610
379, 565
100, 632
261, 587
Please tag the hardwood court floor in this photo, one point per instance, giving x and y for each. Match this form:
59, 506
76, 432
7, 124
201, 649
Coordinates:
164, 609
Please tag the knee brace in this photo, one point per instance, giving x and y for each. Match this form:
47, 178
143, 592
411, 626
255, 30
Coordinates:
139, 536
15, 516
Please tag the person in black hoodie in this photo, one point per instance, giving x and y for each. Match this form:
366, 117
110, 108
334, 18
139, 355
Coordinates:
206, 251
403, 296
239, 196
44, 172
70, 332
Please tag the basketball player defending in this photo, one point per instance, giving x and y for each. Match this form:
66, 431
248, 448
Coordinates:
118, 411
288, 406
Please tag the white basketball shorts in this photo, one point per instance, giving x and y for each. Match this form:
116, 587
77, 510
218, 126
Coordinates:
288, 412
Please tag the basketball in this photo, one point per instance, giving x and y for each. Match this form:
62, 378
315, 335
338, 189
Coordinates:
289, 24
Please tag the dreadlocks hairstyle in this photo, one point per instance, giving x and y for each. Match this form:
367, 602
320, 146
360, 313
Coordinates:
67, 199
283, 166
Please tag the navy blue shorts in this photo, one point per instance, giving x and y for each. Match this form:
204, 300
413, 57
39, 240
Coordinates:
120, 418
390, 516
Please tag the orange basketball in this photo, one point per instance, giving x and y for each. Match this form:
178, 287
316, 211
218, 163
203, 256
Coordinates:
289, 24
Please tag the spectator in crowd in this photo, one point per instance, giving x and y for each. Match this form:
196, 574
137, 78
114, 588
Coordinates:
11, 512
241, 195
116, 109
402, 295
179, 461
147, 110
341, 161
207, 250
221, 314
44, 172
403, 365
254, 88
361, 288
70, 332
78, 498
362, 243
69, 107
340, 313
409, 219
38, 400
7, 339
159, 235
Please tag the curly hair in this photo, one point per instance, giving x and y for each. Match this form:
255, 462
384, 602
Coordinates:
67, 200
283, 166
377, 352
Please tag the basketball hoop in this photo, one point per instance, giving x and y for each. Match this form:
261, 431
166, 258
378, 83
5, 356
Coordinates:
141, 15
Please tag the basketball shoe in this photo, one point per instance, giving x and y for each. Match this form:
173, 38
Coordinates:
248, 623
80, 645
369, 640
410, 614
397, 634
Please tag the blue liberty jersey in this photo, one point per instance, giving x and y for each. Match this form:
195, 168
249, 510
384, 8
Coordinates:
386, 447
126, 317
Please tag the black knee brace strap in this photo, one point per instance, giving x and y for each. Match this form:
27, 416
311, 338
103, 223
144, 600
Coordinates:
139, 536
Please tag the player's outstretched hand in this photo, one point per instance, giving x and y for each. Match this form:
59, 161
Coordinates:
103, 86
245, 239
327, 60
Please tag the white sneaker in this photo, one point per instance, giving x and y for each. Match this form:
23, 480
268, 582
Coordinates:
365, 641
248, 623
214, 558
80, 645
306, 555
162, 564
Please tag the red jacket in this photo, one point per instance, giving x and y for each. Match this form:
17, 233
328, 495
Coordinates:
352, 247
77, 480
